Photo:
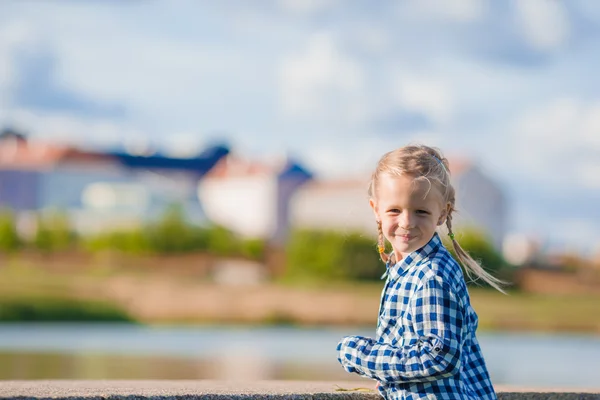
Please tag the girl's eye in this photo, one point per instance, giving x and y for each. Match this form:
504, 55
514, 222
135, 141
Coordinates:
394, 211
422, 212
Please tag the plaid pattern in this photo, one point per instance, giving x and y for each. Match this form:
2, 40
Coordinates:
425, 346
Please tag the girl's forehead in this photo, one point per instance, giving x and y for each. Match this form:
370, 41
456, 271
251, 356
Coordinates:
393, 187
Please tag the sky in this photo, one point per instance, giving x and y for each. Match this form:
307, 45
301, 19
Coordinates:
511, 85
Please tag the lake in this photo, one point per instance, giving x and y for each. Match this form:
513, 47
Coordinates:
115, 351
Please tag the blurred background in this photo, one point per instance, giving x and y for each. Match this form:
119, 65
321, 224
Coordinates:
184, 184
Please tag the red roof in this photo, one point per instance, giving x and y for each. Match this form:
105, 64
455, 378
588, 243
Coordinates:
40, 155
235, 166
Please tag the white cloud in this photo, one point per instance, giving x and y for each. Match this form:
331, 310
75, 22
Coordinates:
169, 84
372, 38
590, 125
17, 34
344, 158
67, 128
327, 158
544, 23
576, 234
588, 8
145, 70
428, 96
589, 174
178, 78
321, 82
456, 10
307, 7
560, 142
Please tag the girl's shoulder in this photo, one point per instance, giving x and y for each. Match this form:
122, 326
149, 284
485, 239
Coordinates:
442, 268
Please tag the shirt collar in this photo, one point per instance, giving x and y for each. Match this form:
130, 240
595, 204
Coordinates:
414, 258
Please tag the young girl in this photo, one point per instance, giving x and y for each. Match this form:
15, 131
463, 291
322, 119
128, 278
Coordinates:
425, 346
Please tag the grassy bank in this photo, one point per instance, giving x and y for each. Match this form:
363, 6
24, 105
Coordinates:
33, 294
29, 293
535, 312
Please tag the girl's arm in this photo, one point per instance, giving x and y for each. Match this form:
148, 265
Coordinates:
437, 318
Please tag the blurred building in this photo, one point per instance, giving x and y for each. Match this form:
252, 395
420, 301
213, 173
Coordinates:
480, 201
252, 198
344, 204
261, 199
97, 189
341, 205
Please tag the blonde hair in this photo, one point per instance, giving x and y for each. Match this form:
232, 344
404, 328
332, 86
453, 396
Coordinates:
424, 162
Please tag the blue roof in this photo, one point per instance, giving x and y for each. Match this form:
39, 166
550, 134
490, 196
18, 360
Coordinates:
198, 165
296, 171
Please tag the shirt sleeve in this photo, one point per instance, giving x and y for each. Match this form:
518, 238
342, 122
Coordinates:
437, 319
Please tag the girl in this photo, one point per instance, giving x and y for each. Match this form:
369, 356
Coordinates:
425, 346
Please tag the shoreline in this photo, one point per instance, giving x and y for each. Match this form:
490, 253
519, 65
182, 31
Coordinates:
164, 298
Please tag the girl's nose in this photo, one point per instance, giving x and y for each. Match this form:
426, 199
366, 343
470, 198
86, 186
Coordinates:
405, 221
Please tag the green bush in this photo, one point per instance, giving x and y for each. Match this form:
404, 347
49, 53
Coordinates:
359, 254
330, 255
134, 241
38, 309
53, 232
9, 238
253, 249
222, 241
172, 234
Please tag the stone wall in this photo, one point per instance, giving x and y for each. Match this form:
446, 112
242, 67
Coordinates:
210, 390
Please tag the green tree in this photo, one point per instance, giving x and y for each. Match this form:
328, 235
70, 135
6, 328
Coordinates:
54, 232
9, 237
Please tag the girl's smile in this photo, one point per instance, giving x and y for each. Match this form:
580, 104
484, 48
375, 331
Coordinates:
404, 237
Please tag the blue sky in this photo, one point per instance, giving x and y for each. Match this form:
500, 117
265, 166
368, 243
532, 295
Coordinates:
511, 84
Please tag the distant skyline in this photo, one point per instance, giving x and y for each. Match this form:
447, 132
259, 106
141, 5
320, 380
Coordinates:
509, 84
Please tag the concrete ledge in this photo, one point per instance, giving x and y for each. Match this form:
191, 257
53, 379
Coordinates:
207, 390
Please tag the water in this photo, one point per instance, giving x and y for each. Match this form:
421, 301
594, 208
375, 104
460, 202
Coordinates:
105, 351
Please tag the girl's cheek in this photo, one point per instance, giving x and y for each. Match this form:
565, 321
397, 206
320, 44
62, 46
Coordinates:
390, 226
393, 222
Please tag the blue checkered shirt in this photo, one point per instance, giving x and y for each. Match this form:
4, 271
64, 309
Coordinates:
426, 346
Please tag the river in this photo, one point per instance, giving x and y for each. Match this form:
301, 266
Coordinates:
122, 351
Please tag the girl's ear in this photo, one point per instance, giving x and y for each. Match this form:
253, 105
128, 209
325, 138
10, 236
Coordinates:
375, 209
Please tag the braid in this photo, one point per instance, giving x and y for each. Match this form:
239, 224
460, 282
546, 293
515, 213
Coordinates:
449, 224
381, 244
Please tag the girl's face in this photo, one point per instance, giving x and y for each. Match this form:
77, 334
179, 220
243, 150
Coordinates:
409, 210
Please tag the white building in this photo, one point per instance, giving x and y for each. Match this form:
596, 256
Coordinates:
480, 201
251, 198
338, 205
